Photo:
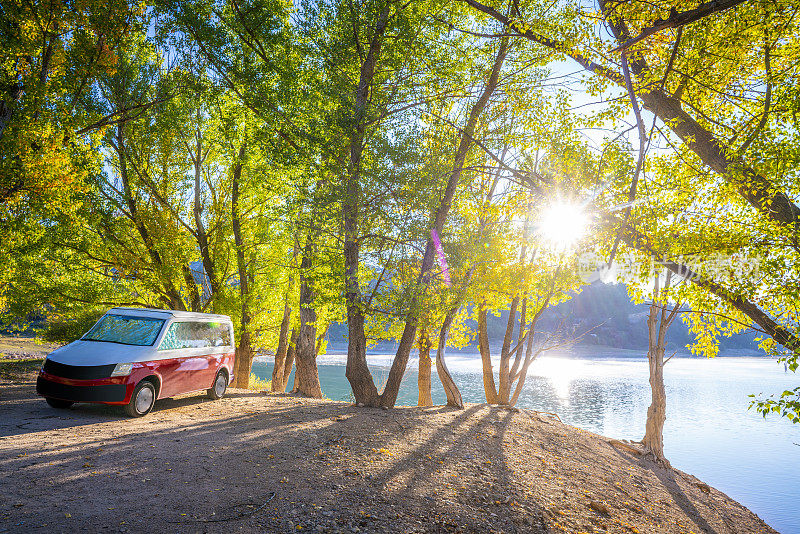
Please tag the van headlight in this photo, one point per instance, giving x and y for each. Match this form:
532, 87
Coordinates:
122, 369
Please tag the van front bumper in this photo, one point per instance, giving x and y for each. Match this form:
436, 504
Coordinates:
107, 391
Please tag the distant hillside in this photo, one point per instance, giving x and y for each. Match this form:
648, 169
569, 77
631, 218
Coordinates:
603, 310
615, 321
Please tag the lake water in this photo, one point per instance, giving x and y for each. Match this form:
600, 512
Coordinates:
709, 432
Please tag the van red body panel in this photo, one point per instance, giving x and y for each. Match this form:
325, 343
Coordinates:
176, 376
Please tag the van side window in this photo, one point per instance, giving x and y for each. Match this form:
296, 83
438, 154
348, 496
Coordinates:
192, 335
220, 334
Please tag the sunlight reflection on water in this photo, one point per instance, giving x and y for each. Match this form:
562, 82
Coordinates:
709, 431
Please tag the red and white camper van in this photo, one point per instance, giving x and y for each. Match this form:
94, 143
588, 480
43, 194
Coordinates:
134, 356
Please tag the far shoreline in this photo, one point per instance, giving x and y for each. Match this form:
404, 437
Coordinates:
578, 353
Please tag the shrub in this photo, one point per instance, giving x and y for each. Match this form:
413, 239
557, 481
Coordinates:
259, 384
66, 330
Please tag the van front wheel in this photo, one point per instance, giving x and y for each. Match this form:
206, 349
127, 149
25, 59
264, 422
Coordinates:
142, 400
217, 390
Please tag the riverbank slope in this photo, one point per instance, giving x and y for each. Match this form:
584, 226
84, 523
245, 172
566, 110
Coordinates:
254, 462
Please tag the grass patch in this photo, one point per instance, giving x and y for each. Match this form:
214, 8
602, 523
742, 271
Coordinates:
259, 384
20, 369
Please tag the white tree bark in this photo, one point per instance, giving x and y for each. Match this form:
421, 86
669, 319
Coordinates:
658, 323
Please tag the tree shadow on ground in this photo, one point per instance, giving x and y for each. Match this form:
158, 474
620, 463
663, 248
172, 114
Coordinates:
317, 458
668, 478
33, 414
669, 481
196, 465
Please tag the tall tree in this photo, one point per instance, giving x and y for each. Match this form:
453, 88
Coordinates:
389, 397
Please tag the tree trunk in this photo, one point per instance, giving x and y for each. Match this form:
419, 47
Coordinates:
657, 324
357, 371
389, 395
200, 231
296, 382
450, 389
287, 365
244, 360
424, 375
653, 440
390, 391
244, 352
306, 373
523, 318
503, 395
489, 388
530, 356
522, 374
753, 187
321, 339
191, 287
7, 104
278, 379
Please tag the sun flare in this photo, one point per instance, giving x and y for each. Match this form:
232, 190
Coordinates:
562, 224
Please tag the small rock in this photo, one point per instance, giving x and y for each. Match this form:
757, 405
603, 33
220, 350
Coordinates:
702, 486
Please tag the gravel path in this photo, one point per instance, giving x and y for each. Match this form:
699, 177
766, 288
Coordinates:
23, 347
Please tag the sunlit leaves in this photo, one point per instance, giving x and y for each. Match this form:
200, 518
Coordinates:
785, 404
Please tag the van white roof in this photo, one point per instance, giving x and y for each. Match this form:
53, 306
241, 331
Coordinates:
165, 314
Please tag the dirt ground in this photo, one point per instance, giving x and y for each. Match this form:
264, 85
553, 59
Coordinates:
258, 463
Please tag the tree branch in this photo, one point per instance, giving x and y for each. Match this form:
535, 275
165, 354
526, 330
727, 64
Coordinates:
680, 19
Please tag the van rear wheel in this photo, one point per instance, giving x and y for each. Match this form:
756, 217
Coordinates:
142, 400
219, 387
58, 403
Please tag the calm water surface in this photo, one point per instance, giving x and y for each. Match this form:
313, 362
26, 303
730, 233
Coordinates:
709, 431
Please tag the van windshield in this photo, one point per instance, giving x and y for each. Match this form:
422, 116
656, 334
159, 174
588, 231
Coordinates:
125, 329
